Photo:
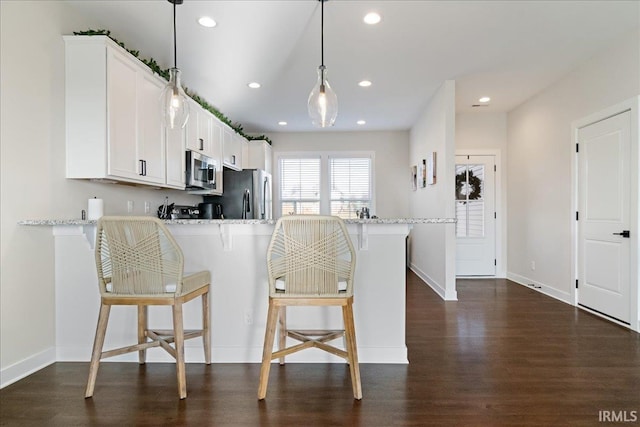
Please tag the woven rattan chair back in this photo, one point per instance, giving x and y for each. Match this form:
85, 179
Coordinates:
310, 256
137, 256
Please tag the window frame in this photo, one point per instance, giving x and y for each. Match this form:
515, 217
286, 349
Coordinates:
325, 178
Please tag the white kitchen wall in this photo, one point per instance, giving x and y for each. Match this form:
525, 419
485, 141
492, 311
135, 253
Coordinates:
486, 133
432, 246
32, 178
539, 160
391, 161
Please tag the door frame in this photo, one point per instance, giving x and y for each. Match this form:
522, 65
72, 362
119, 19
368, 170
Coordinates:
633, 105
500, 206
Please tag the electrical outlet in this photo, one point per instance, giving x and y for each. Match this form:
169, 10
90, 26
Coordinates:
147, 207
129, 206
248, 317
533, 265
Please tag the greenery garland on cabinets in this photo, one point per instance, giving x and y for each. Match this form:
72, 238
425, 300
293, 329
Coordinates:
153, 65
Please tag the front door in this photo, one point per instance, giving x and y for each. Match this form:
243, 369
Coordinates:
604, 216
475, 212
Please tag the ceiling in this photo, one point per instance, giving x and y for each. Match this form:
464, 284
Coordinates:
508, 50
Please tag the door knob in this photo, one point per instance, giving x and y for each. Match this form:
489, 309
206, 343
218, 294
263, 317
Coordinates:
625, 233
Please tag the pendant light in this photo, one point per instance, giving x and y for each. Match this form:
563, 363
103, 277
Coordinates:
323, 101
175, 108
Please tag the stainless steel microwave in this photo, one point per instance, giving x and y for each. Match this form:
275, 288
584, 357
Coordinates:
201, 171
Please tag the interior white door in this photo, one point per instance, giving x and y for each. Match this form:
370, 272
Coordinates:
475, 212
604, 216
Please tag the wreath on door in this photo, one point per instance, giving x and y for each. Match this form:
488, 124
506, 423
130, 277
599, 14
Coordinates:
474, 186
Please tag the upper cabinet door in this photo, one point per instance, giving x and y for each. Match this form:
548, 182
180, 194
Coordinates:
259, 156
232, 148
151, 130
122, 88
192, 143
200, 130
175, 152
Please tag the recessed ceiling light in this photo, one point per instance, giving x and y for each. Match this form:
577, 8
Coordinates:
207, 21
372, 18
484, 99
282, 123
254, 85
361, 122
364, 83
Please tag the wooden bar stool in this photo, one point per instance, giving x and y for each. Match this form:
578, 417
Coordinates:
139, 263
310, 262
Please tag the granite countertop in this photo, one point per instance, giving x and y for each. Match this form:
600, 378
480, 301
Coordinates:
52, 222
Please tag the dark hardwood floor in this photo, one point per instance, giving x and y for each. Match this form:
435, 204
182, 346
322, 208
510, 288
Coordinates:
502, 355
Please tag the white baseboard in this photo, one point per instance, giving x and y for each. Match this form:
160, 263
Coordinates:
26, 367
433, 284
540, 287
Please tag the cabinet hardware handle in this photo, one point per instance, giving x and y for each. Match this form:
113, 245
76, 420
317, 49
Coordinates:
201, 143
233, 159
141, 167
625, 233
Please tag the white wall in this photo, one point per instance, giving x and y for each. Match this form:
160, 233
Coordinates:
432, 246
486, 133
481, 130
540, 214
32, 178
392, 175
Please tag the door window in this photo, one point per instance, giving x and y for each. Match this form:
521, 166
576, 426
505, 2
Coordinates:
470, 200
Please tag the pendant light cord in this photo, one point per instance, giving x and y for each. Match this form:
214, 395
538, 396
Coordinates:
175, 43
322, 32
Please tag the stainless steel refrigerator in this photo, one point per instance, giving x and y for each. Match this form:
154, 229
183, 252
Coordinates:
246, 194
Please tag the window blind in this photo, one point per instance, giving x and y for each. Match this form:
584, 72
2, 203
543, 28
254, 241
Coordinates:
350, 183
300, 185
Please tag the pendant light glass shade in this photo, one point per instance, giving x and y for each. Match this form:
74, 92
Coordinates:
323, 101
175, 107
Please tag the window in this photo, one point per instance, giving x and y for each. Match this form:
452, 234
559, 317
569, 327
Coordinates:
324, 183
350, 183
300, 186
469, 200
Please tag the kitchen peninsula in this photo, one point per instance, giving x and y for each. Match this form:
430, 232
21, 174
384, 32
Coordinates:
235, 253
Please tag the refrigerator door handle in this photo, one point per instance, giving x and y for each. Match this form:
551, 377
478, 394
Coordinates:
246, 203
265, 186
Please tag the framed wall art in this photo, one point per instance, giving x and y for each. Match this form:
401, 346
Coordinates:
431, 168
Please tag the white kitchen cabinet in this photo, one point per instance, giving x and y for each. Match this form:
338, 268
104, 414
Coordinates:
244, 146
176, 165
151, 129
232, 148
199, 129
259, 155
114, 127
217, 152
121, 86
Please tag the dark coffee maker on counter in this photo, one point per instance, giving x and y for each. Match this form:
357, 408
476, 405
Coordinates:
210, 210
